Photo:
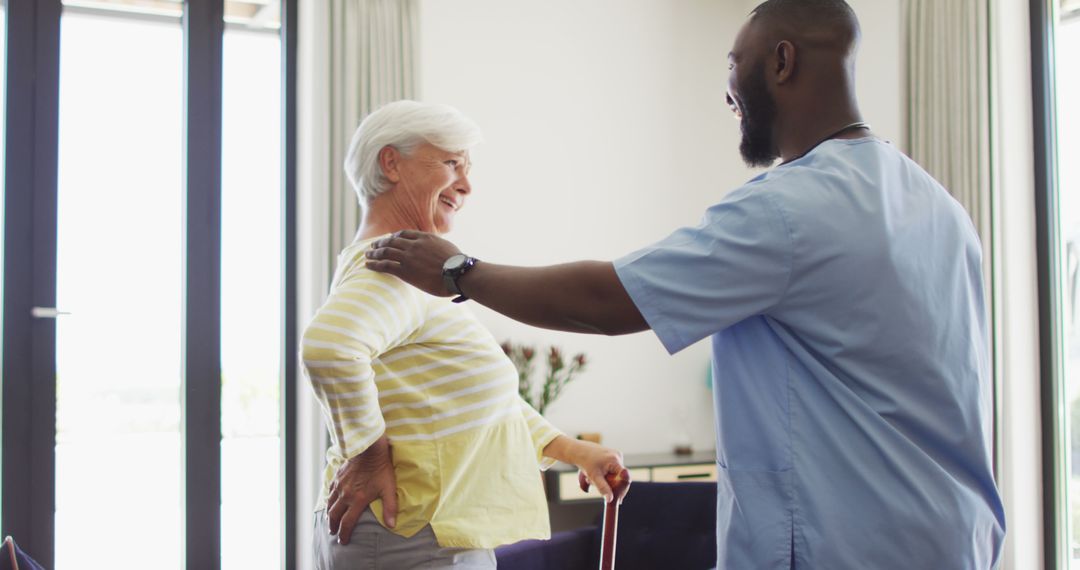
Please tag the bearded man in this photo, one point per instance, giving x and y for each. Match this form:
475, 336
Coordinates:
843, 293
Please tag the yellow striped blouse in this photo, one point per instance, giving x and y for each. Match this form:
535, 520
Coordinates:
383, 356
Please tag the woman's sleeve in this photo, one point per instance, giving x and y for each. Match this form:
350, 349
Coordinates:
542, 433
365, 315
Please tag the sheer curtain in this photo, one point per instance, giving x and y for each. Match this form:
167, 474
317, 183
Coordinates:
371, 63
355, 55
948, 87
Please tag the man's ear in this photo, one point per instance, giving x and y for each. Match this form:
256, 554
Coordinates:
389, 161
785, 62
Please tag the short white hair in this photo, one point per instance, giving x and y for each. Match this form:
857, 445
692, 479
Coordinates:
403, 125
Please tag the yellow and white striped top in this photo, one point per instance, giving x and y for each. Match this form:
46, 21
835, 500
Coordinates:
383, 356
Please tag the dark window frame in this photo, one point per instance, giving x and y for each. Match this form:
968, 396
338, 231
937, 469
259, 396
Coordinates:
27, 498
1048, 269
31, 131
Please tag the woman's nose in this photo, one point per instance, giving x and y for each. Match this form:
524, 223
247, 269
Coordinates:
463, 185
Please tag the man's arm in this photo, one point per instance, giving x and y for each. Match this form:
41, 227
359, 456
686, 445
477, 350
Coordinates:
583, 297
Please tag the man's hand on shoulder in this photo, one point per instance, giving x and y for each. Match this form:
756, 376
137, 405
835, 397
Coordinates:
414, 257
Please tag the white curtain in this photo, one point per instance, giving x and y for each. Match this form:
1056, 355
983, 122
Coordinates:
948, 112
354, 56
371, 59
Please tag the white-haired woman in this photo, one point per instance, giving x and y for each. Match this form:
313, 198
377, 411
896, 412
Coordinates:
394, 366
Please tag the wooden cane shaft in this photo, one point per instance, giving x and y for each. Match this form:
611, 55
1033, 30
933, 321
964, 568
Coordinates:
611, 525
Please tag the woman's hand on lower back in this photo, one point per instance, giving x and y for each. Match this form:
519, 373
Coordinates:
361, 480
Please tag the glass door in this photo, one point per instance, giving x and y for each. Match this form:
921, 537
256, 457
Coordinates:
252, 262
1067, 80
119, 288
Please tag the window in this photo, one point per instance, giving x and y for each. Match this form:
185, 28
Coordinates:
252, 259
149, 378
1067, 79
119, 273
1056, 34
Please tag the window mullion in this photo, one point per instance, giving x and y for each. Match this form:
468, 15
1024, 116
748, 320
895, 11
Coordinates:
29, 372
203, 31
289, 385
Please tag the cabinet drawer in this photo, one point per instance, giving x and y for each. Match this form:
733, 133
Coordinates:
675, 473
569, 490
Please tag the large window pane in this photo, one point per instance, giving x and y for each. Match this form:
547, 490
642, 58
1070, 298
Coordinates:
1068, 131
120, 247
251, 289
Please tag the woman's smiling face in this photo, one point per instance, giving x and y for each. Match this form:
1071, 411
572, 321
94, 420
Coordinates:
430, 185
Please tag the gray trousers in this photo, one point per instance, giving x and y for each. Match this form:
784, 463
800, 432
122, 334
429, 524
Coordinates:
372, 547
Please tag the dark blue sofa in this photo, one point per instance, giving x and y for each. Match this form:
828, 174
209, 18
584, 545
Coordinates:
661, 526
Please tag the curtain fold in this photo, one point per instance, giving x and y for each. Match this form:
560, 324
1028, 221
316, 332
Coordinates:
947, 78
372, 62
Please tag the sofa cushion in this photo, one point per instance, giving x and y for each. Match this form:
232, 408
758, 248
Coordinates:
567, 550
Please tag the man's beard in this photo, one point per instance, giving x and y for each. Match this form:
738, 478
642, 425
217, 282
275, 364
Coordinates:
758, 115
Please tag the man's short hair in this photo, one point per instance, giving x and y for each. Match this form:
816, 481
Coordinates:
788, 9
808, 12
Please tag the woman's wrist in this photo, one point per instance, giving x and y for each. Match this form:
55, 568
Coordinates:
565, 449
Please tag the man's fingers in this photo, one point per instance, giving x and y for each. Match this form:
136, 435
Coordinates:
389, 253
583, 481
397, 240
348, 522
407, 234
384, 266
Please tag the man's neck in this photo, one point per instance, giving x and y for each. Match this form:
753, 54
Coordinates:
807, 133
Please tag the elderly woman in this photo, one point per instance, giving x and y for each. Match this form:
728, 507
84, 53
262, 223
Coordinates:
393, 366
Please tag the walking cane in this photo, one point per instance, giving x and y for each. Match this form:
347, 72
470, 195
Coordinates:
618, 482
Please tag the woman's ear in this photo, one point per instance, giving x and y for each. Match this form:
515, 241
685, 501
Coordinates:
785, 62
389, 161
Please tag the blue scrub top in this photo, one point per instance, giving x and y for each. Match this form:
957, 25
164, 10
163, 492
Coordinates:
844, 295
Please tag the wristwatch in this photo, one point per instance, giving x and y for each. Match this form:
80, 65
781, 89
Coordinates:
452, 270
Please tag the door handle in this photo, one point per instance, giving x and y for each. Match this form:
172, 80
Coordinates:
46, 312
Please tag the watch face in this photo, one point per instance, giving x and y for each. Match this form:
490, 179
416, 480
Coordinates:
455, 261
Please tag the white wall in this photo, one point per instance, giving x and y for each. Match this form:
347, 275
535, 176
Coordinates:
879, 75
606, 129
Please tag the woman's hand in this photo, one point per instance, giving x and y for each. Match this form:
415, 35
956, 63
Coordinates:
357, 483
596, 463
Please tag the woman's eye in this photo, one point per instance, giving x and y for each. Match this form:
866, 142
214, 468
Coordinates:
452, 163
